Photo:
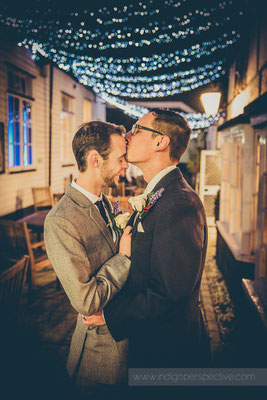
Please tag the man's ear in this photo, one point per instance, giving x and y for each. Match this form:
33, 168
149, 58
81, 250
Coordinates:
94, 159
162, 143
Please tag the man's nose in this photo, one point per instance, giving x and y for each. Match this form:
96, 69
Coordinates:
125, 165
128, 136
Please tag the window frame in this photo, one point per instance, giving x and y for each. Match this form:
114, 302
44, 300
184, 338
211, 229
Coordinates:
21, 167
66, 161
87, 114
232, 186
262, 209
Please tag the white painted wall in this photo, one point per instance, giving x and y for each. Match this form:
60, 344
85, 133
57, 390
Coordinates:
16, 188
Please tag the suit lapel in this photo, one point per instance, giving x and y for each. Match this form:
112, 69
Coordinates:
134, 232
175, 174
85, 203
98, 220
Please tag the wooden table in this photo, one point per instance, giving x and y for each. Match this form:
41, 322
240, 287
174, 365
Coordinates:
35, 221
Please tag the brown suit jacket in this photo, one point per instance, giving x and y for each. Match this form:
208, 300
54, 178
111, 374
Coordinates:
84, 257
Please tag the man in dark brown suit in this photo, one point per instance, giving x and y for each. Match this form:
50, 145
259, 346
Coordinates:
158, 309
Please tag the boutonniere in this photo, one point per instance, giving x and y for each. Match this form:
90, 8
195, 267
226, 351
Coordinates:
144, 202
119, 219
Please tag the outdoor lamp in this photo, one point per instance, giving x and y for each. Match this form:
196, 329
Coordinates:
211, 102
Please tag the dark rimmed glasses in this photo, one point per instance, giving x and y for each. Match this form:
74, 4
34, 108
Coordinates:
136, 126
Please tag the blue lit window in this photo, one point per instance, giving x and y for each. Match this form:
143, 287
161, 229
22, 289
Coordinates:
19, 132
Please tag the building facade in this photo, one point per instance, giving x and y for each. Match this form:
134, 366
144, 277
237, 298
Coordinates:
41, 107
242, 225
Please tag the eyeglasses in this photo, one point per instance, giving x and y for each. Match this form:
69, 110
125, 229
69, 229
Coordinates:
136, 126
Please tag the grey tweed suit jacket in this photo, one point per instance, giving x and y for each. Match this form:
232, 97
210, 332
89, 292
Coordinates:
84, 257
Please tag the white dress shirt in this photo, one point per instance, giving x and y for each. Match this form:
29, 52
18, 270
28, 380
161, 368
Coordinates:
157, 178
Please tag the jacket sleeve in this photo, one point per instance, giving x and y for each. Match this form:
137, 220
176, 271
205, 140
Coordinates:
87, 292
178, 240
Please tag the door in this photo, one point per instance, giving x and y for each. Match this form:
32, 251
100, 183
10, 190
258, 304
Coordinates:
210, 181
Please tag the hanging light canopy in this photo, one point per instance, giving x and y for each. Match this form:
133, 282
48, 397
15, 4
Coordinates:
145, 49
211, 102
122, 50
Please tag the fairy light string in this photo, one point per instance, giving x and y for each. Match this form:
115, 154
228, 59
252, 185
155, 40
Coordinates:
134, 50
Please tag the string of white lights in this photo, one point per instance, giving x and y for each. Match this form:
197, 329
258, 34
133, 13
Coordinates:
195, 120
174, 47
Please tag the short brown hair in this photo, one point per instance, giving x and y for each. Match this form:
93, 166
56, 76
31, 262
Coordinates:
176, 127
94, 135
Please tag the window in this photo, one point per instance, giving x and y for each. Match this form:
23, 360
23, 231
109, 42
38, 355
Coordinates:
87, 111
231, 191
234, 212
19, 83
255, 197
226, 181
263, 230
262, 207
19, 132
236, 187
20, 153
66, 120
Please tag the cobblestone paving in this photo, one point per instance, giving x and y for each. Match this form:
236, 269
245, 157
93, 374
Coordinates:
46, 323
50, 313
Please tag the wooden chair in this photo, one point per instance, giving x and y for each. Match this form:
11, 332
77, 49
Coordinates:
117, 191
12, 283
138, 191
67, 181
57, 197
15, 242
42, 197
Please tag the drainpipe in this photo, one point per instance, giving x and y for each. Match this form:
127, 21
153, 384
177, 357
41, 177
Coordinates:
50, 123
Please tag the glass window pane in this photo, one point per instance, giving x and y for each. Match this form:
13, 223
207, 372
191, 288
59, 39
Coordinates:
24, 118
23, 85
24, 111
16, 108
17, 135
11, 155
30, 155
29, 135
29, 112
17, 155
10, 120
16, 83
10, 81
10, 108
10, 131
25, 155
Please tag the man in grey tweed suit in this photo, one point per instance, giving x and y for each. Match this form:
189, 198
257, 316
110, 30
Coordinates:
87, 254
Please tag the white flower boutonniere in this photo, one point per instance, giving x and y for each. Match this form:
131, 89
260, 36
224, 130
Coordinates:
122, 219
119, 219
138, 202
143, 203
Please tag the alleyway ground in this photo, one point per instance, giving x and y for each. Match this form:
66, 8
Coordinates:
35, 348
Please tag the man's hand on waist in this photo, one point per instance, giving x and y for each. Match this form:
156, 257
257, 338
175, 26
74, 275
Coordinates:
96, 319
